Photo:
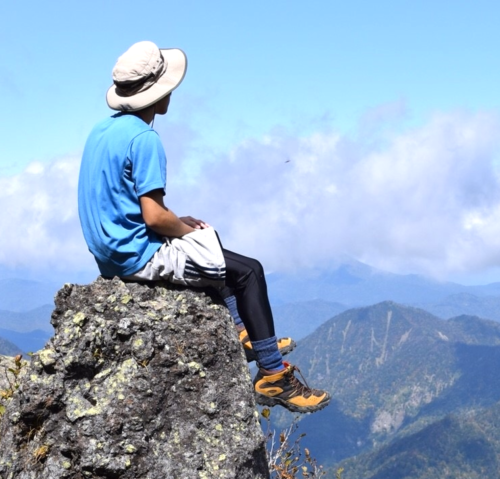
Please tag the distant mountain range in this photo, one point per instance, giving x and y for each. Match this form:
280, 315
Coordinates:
393, 371
301, 302
351, 284
466, 303
19, 295
25, 321
29, 342
25, 309
8, 349
27, 330
357, 284
300, 319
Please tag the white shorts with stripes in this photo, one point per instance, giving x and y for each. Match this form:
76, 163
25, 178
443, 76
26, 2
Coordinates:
195, 259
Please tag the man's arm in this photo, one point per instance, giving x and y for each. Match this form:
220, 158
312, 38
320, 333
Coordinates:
159, 218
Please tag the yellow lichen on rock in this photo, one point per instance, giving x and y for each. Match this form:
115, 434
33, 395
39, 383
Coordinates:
79, 318
47, 357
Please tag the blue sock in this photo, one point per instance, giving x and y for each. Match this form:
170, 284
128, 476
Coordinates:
268, 355
233, 310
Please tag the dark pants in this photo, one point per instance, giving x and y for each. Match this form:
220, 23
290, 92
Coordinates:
246, 281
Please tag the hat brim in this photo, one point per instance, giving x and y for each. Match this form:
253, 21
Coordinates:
169, 81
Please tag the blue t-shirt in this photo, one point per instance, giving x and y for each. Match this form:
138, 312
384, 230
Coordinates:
123, 159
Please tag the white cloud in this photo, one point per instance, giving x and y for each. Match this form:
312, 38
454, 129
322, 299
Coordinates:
39, 220
425, 200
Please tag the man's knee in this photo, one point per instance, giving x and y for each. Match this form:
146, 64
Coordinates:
240, 269
256, 267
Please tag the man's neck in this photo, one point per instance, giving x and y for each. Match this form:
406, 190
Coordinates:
146, 115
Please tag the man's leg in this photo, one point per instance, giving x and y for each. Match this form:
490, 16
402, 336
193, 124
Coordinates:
230, 300
285, 345
275, 382
245, 278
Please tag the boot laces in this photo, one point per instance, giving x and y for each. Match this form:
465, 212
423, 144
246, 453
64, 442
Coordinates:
302, 389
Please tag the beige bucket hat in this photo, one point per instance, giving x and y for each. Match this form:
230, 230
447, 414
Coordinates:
145, 74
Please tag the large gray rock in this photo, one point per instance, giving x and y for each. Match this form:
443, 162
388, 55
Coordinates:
140, 382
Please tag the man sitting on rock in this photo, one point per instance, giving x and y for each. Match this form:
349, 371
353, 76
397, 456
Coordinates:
134, 236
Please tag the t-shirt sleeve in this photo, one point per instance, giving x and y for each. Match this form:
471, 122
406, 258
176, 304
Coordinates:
149, 163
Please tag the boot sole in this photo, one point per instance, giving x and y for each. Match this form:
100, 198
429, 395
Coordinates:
276, 401
251, 356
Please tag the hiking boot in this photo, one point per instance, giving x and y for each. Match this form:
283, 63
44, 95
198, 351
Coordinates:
285, 346
284, 389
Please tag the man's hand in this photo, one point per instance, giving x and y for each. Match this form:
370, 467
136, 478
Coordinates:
160, 219
194, 223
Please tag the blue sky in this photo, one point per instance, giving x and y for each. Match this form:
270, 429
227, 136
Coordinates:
385, 114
